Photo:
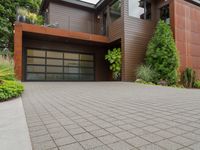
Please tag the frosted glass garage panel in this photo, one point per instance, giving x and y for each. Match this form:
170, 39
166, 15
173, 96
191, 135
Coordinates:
71, 70
35, 76
86, 57
36, 61
54, 69
54, 77
54, 54
56, 62
71, 56
35, 68
71, 63
35, 53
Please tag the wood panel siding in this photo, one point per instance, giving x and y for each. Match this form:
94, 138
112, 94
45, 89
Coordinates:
187, 34
137, 33
101, 67
71, 18
116, 30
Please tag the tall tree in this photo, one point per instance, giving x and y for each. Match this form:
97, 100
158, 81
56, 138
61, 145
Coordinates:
162, 54
8, 17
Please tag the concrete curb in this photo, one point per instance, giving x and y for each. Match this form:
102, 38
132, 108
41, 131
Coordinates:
14, 134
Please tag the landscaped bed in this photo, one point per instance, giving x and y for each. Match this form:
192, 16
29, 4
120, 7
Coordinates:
10, 89
9, 86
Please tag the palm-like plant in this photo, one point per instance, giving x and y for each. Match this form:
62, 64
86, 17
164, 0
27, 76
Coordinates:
6, 69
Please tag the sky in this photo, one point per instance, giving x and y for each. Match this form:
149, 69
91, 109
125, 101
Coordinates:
91, 1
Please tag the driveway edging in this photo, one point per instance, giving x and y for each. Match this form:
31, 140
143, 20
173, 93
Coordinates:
14, 134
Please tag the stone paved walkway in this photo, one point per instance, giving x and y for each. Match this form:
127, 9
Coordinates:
111, 116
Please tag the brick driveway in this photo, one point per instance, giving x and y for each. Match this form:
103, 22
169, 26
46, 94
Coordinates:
106, 116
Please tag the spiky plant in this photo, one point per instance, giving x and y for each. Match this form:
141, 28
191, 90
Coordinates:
6, 69
189, 77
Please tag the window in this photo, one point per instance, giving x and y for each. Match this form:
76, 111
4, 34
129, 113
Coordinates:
164, 14
115, 10
140, 9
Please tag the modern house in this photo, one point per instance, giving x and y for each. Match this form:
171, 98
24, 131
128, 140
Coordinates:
75, 47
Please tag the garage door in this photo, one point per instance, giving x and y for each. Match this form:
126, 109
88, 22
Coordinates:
45, 65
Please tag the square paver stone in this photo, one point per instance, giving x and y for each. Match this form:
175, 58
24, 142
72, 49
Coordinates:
92, 143
76, 131
44, 145
121, 145
107, 139
83, 136
181, 140
137, 142
195, 146
65, 141
152, 137
169, 145
42, 138
124, 135
114, 129
91, 128
151, 147
165, 134
104, 147
98, 133
74, 146
58, 135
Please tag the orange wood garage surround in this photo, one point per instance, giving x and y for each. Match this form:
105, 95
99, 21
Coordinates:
28, 28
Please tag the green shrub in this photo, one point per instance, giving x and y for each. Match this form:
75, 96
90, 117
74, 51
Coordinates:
10, 89
189, 77
144, 82
6, 69
162, 55
145, 73
197, 84
114, 58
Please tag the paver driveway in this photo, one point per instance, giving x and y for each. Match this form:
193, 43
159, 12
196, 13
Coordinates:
118, 116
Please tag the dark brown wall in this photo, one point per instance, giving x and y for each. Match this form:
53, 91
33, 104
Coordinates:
71, 18
115, 30
137, 33
187, 34
102, 72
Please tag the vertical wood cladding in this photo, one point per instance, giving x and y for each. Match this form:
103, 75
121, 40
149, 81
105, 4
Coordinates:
101, 67
116, 30
71, 18
187, 34
137, 33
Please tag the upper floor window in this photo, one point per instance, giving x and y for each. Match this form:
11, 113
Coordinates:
115, 10
164, 14
140, 9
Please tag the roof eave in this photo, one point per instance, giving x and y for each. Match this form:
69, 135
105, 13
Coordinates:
45, 3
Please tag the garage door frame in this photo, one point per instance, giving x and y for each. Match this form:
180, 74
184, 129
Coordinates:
62, 51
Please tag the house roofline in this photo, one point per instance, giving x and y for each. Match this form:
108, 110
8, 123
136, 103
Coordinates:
83, 4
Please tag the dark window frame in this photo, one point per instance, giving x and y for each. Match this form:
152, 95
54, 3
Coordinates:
165, 13
62, 51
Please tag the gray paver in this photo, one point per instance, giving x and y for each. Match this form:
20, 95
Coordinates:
65, 141
137, 142
120, 146
92, 143
107, 139
95, 114
74, 146
169, 145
